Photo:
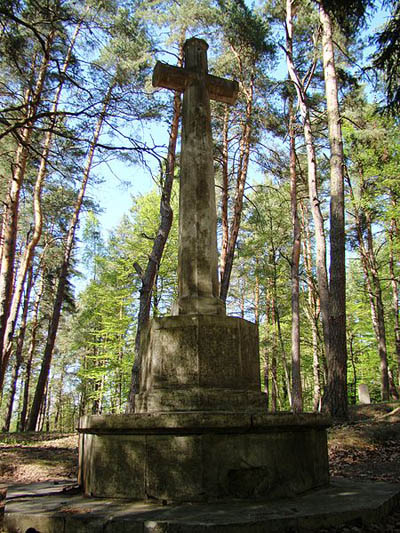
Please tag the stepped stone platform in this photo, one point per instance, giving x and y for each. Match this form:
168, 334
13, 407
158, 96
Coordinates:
49, 508
200, 431
202, 456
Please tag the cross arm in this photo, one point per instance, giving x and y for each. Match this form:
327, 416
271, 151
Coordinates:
177, 79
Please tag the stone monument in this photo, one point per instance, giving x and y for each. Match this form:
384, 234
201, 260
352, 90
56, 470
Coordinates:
363, 394
200, 431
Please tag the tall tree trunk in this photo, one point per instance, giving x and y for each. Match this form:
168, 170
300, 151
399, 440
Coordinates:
277, 319
58, 414
380, 315
149, 275
11, 210
274, 363
297, 393
322, 275
353, 366
37, 212
257, 296
392, 386
336, 390
18, 350
244, 157
225, 189
266, 380
312, 310
395, 293
29, 358
62, 280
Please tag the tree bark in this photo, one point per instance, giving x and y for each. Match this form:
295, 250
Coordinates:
226, 266
266, 380
62, 280
31, 351
322, 275
312, 311
336, 390
395, 293
273, 364
257, 296
225, 190
380, 327
18, 349
297, 393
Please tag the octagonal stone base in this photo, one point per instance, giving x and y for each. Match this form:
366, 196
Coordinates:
202, 456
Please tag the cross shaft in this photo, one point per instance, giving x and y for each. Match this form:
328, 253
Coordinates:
198, 286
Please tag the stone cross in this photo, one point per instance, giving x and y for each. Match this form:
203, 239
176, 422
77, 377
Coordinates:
198, 286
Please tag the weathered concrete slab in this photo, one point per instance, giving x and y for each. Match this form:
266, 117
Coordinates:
203, 456
358, 502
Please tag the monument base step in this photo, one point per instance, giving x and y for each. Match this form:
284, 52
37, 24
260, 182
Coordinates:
202, 456
344, 501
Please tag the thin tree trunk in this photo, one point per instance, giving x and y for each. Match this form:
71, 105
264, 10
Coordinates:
42, 412
277, 319
225, 190
266, 377
312, 311
148, 277
29, 358
380, 315
37, 212
58, 416
273, 365
257, 296
297, 393
336, 390
18, 350
62, 280
392, 387
322, 275
286, 369
226, 266
395, 294
353, 366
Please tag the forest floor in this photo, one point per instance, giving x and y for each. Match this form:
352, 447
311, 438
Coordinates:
366, 447
34, 457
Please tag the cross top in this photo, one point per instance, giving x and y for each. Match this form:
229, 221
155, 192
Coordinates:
196, 64
198, 286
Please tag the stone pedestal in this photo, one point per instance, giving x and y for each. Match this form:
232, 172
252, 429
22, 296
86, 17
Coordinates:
200, 363
195, 457
201, 431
